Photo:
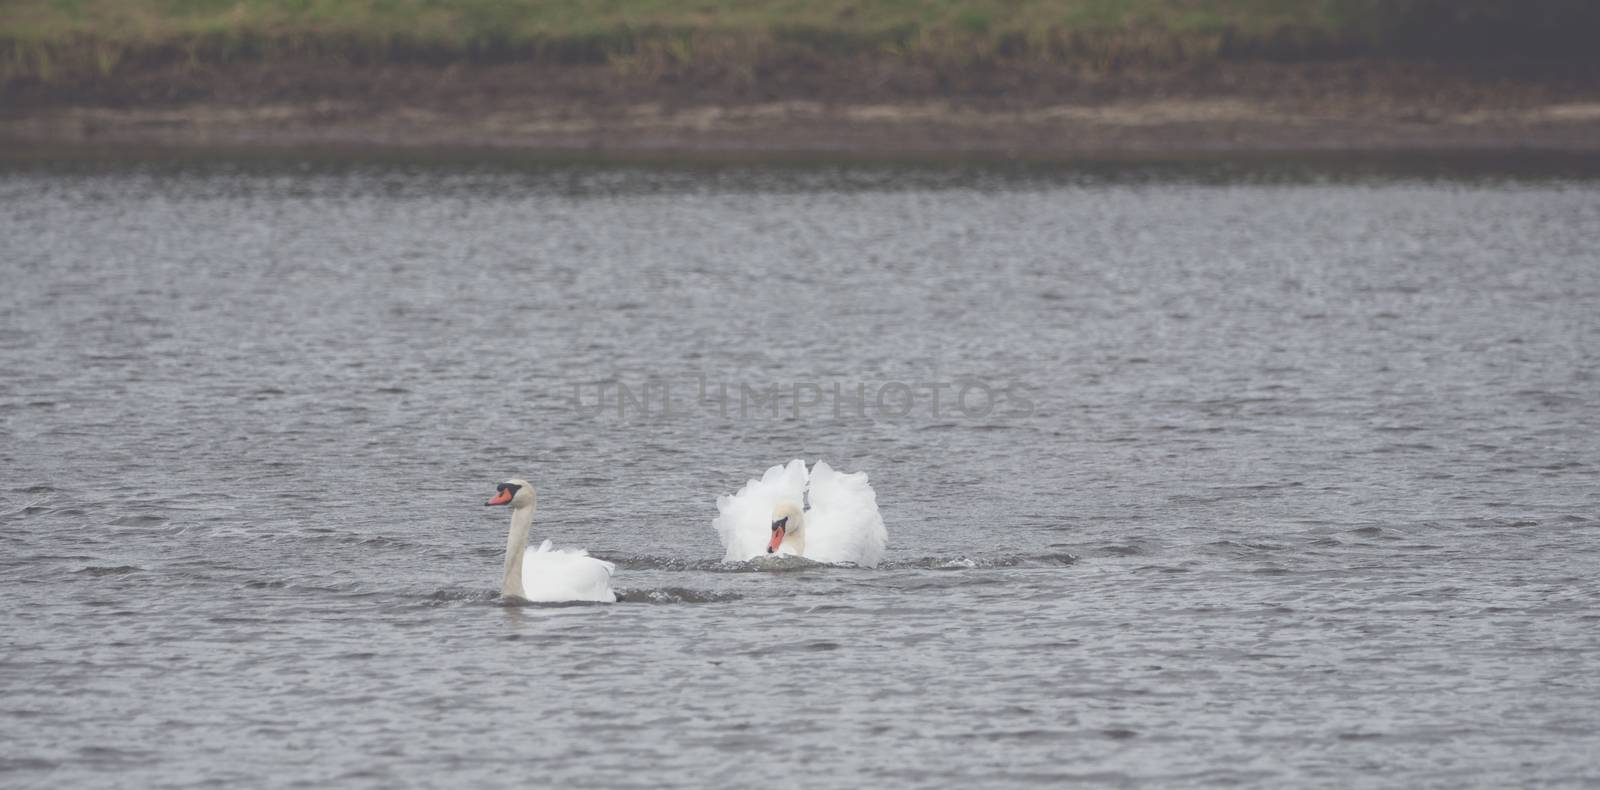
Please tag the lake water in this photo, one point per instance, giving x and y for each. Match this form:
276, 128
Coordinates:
1265, 474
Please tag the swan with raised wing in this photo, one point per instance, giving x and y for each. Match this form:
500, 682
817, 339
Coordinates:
769, 516
546, 575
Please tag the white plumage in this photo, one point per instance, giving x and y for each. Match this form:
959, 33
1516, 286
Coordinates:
551, 575
841, 526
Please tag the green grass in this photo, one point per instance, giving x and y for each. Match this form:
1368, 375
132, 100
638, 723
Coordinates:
44, 38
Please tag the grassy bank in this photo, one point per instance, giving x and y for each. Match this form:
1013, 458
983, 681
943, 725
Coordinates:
76, 39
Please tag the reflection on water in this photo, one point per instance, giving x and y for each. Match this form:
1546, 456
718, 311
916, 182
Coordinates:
1305, 492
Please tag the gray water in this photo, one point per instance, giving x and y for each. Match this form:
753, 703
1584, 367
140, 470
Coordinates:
1263, 475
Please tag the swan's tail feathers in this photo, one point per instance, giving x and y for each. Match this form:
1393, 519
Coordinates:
549, 548
844, 524
744, 520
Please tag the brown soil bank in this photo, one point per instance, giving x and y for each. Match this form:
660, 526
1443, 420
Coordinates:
804, 103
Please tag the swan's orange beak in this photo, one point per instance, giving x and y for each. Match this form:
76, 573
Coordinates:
501, 498
778, 531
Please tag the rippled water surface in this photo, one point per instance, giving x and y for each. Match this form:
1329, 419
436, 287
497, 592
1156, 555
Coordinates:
1264, 475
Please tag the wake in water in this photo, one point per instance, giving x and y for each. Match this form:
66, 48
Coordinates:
1053, 560
454, 596
674, 595
764, 564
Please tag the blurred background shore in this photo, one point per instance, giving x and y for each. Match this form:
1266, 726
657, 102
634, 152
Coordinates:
995, 78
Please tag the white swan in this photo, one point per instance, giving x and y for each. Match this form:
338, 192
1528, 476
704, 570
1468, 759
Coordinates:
768, 516
545, 575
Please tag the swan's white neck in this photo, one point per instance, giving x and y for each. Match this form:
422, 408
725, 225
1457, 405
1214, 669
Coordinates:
794, 543
516, 546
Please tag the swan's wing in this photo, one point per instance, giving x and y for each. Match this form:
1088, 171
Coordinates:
843, 524
551, 575
744, 520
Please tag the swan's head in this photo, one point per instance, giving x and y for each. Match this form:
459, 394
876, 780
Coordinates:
515, 492
787, 521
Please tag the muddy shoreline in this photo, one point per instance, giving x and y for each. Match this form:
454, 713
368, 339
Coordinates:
837, 108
